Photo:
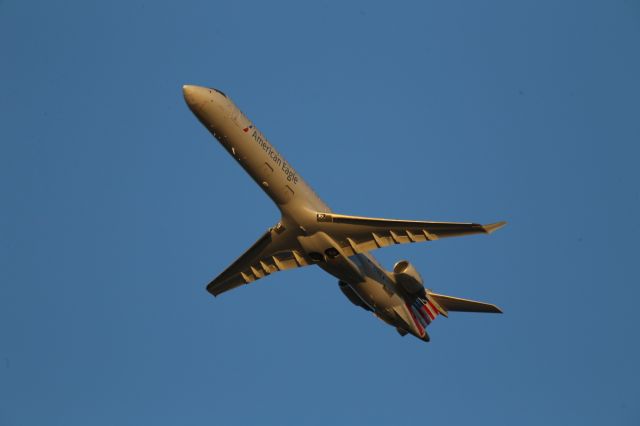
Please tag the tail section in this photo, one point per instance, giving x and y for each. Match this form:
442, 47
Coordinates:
423, 312
425, 309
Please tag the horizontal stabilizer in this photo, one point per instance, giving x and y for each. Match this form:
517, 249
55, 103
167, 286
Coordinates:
493, 227
457, 304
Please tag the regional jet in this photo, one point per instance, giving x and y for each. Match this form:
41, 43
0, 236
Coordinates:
310, 233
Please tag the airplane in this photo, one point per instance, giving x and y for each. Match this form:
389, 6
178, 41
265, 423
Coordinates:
310, 233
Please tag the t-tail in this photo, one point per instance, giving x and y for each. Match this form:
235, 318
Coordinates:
426, 308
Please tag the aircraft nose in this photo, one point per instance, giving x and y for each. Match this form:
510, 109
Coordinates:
187, 89
192, 95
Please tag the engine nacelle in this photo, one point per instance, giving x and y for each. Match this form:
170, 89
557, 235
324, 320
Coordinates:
352, 296
408, 278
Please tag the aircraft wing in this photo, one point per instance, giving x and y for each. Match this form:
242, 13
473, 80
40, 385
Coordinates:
272, 252
358, 234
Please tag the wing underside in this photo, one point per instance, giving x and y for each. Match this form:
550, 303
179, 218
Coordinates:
278, 249
358, 234
272, 252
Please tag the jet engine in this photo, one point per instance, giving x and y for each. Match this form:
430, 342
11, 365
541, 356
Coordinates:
352, 296
408, 278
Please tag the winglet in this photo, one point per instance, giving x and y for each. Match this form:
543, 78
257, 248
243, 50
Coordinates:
493, 227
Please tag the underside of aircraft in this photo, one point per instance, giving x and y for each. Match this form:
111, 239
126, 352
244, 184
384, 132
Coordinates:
310, 233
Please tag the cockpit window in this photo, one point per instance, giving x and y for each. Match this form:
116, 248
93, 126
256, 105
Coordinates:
219, 91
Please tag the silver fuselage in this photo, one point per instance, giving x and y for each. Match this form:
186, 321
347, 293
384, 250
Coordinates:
299, 205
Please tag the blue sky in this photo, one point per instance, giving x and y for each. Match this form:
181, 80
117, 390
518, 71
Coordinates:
118, 207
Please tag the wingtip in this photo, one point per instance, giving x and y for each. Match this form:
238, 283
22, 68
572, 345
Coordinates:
211, 290
492, 227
